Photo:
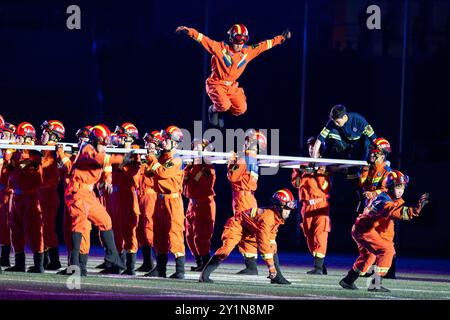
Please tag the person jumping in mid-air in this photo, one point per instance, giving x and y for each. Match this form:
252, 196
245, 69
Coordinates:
227, 64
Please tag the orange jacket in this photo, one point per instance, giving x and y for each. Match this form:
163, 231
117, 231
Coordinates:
87, 167
264, 224
372, 178
25, 171
4, 169
146, 181
65, 162
167, 172
313, 189
226, 64
243, 175
199, 180
126, 175
380, 214
50, 171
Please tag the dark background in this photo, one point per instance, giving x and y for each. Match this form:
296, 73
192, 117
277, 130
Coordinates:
127, 64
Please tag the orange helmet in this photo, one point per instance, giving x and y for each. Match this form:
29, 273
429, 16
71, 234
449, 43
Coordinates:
154, 137
127, 129
174, 133
26, 129
54, 127
100, 134
284, 199
381, 144
2, 122
8, 127
395, 177
83, 132
238, 34
258, 136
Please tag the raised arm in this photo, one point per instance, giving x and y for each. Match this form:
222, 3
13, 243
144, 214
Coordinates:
265, 45
210, 45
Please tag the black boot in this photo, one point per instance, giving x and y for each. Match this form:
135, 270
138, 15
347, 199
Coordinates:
53, 255
46, 259
279, 279
324, 269
318, 266
19, 263
198, 261
349, 281
111, 255
102, 265
4, 260
203, 260
179, 268
375, 285
83, 265
161, 266
131, 264
391, 272
38, 267
210, 266
251, 267
148, 264
75, 252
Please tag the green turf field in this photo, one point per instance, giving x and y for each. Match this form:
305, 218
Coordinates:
227, 285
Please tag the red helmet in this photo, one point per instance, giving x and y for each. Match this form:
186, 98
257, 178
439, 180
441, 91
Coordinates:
2, 122
127, 129
206, 144
26, 129
284, 199
395, 177
100, 134
83, 132
258, 136
54, 127
381, 144
174, 133
238, 34
8, 127
154, 137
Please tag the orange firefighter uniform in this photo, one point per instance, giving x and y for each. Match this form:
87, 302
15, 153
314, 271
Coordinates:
5, 196
168, 219
261, 223
227, 66
199, 180
25, 179
243, 176
147, 204
373, 234
313, 192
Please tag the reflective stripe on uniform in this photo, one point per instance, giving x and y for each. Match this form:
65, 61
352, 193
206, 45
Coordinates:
318, 255
334, 136
155, 166
368, 131
106, 160
178, 254
267, 256
199, 37
269, 44
253, 212
250, 255
324, 133
405, 215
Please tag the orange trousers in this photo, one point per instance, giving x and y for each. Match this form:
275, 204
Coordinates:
125, 213
85, 238
26, 223
84, 206
168, 225
243, 201
373, 248
316, 226
147, 204
227, 98
49, 200
5, 235
200, 218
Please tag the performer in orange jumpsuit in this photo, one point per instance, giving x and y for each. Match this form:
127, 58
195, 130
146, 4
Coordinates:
65, 162
263, 224
124, 198
199, 180
81, 200
6, 133
227, 64
314, 185
147, 202
25, 178
371, 228
53, 132
243, 173
168, 220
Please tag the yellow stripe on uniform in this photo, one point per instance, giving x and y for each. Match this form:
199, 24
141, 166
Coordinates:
106, 160
250, 255
267, 256
318, 255
269, 44
199, 37
325, 185
253, 212
368, 131
155, 166
324, 133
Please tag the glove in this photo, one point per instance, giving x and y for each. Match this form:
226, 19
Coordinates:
286, 34
369, 195
181, 29
424, 199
